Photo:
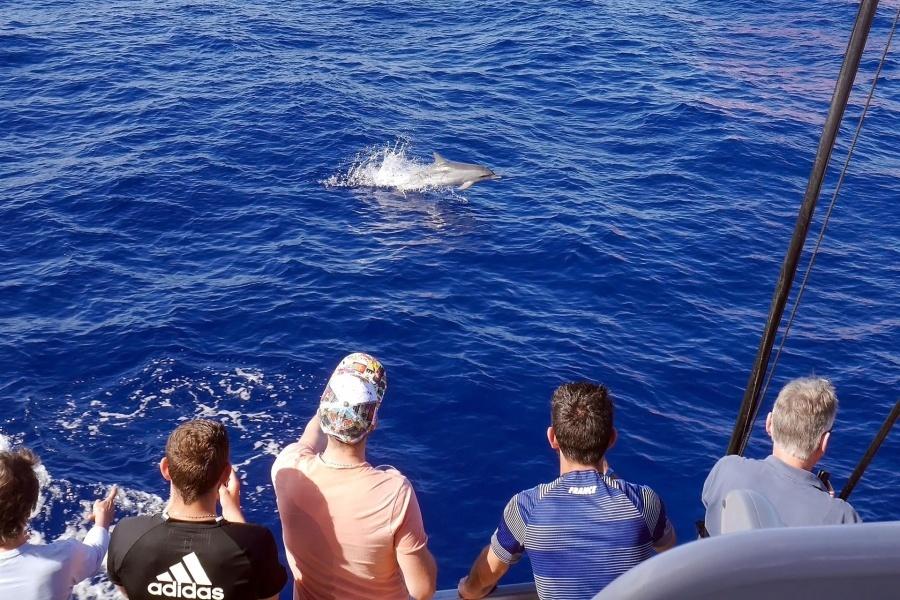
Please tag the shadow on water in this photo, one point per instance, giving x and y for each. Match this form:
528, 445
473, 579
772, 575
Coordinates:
426, 212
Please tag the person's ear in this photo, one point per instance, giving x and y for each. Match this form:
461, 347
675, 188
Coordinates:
823, 443
226, 473
769, 424
613, 438
551, 437
164, 468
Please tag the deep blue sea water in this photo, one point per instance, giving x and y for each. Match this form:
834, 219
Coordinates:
180, 237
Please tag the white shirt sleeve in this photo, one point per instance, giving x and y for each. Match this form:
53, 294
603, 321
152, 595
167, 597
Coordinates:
87, 556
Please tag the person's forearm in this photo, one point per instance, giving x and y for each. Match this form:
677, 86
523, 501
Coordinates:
424, 587
233, 514
97, 541
481, 579
313, 436
88, 557
667, 541
474, 587
419, 572
98, 536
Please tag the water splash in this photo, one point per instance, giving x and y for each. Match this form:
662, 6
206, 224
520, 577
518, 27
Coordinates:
388, 166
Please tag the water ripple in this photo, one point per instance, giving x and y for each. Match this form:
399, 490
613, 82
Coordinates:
166, 230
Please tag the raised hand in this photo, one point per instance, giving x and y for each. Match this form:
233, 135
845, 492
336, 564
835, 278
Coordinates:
230, 498
105, 510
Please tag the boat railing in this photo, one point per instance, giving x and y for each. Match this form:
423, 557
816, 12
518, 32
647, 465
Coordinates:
515, 591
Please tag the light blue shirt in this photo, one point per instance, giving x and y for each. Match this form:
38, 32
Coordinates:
48, 572
798, 496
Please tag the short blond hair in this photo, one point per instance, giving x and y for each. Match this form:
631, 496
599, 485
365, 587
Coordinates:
804, 411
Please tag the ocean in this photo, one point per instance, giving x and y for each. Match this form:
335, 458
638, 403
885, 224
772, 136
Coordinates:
200, 216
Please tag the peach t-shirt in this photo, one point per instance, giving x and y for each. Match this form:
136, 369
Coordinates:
343, 527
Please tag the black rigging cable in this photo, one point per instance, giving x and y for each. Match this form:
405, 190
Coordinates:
834, 196
871, 452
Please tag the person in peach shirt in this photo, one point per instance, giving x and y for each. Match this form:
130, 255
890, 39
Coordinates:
351, 531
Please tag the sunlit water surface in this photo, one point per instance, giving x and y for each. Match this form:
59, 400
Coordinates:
200, 215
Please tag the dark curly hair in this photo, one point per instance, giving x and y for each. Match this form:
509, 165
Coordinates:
582, 417
19, 489
198, 455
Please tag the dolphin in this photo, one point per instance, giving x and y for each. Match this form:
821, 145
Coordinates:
444, 173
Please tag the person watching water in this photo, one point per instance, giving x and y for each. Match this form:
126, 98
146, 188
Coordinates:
190, 551
38, 571
586, 527
800, 426
352, 531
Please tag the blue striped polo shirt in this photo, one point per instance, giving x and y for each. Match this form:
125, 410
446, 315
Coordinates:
581, 532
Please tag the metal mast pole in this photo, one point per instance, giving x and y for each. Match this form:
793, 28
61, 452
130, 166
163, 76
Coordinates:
750, 405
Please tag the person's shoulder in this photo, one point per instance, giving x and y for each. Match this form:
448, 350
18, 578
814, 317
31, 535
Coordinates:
642, 496
521, 505
292, 455
57, 550
393, 478
294, 458
732, 463
392, 474
539, 493
136, 525
249, 528
248, 536
137, 520
129, 532
841, 512
246, 531
634, 488
530, 501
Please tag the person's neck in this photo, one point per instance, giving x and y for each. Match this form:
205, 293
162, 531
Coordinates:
793, 461
347, 455
203, 508
16, 543
569, 466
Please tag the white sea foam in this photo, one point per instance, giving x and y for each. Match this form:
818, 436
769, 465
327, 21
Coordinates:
254, 377
267, 447
388, 166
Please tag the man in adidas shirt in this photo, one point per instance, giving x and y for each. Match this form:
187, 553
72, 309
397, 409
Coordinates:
586, 527
189, 552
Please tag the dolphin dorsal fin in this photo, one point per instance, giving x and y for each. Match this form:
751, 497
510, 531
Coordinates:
438, 159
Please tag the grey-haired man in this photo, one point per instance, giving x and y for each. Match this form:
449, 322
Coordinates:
800, 427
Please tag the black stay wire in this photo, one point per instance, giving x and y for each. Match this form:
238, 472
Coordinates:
834, 196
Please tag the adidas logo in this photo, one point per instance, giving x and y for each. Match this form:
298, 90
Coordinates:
186, 579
